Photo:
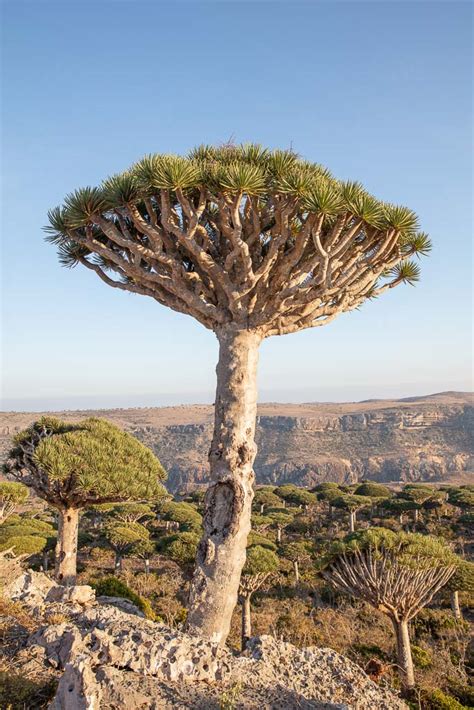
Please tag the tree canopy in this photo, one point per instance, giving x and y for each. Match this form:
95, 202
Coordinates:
85, 463
241, 234
11, 496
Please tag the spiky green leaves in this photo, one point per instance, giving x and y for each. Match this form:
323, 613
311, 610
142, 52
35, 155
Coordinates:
167, 172
86, 462
407, 272
260, 560
418, 243
245, 169
401, 219
121, 189
409, 549
325, 199
82, 204
241, 178
13, 493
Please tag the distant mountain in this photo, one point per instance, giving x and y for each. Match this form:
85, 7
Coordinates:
424, 438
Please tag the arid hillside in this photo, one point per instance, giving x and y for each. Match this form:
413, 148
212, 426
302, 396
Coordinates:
417, 438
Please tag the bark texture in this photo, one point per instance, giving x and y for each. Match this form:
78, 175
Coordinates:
67, 546
246, 621
455, 606
352, 521
221, 552
404, 657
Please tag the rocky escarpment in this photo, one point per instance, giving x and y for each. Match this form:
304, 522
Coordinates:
419, 439
108, 656
419, 443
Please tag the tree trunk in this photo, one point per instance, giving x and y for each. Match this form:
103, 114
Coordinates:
147, 567
297, 571
279, 529
404, 658
118, 563
415, 515
221, 552
66, 560
352, 520
455, 605
400, 519
246, 621
262, 508
45, 561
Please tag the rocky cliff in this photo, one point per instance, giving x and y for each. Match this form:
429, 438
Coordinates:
416, 439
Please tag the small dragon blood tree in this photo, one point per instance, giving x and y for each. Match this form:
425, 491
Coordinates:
397, 573
73, 466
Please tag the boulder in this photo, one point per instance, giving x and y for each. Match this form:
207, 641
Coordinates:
36, 589
31, 588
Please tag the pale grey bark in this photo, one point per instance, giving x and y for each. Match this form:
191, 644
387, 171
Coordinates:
455, 606
221, 552
66, 559
118, 563
404, 656
352, 520
246, 620
296, 571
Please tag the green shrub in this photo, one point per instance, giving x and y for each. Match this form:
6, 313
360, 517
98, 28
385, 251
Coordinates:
24, 544
437, 700
463, 693
255, 538
180, 547
8, 531
114, 587
36, 524
434, 622
421, 657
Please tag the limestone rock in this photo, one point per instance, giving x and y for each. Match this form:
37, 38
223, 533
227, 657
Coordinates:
79, 594
31, 588
112, 661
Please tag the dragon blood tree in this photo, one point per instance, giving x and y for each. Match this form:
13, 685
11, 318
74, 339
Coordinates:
252, 243
397, 573
73, 466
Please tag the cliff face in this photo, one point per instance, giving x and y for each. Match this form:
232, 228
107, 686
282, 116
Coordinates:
424, 444
419, 439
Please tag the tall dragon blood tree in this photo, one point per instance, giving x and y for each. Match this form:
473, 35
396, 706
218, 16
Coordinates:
251, 243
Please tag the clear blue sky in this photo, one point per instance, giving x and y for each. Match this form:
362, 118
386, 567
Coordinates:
377, 91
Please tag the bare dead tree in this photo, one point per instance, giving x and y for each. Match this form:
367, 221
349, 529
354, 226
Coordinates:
397, 590
251, 243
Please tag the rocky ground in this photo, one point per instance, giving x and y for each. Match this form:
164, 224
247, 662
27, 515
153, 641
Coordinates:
107, 655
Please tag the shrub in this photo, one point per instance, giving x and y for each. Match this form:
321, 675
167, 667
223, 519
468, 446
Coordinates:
113, 587
180, 547
421, 657
463, 693
437, 700
434, 622
24, 544
255, 538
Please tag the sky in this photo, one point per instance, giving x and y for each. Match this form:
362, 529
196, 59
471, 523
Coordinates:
376, 91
